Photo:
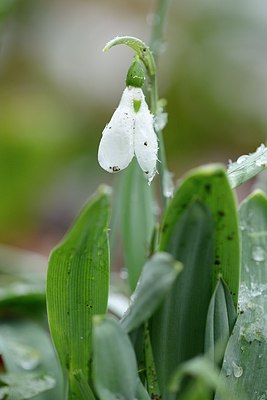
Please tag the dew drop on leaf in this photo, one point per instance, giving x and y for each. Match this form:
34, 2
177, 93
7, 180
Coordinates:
258, 253
238, 370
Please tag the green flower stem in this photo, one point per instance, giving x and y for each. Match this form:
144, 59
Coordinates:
155, 44
158, 27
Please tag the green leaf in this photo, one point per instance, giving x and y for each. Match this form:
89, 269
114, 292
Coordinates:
26, 350
210, 186
245, 360
220, 321
83, 386
150, 368
156, 279
114, 364
77, 284
247, 166
199, 229
137, 220
205, 379
25, 386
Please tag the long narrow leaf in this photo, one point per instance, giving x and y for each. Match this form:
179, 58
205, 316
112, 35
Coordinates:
156, 279
220, 321
245, 360
137, 220
114, 362
77, 285
200, 230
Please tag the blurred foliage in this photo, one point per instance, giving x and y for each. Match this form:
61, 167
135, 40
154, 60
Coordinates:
56, 95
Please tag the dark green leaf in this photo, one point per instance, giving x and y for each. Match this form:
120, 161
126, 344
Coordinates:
200, 230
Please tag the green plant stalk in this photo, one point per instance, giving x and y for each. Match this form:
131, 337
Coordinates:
155, 43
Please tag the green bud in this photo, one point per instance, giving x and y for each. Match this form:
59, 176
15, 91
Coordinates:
135, 75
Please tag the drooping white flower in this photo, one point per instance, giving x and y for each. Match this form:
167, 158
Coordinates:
130, 133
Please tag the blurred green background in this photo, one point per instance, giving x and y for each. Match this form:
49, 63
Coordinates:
58, 90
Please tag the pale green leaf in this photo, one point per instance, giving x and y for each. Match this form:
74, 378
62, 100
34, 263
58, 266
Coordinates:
245, 360
247, 166
114, 364
156, 279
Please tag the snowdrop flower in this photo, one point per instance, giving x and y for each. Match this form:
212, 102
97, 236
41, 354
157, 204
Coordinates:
130, 133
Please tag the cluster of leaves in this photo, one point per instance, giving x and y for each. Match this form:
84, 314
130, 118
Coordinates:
183, 336
195, 328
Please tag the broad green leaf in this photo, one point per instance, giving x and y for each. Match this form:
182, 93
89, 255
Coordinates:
204, 380
137, 220
220, 321
247, 166
26, 350
114, 364
200, 230
25, 386
177, 327
156, 279
77, 285
245, 360
210, 186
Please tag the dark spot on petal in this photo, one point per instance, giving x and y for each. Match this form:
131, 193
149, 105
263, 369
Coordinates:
146, 172
115, 168
145, 143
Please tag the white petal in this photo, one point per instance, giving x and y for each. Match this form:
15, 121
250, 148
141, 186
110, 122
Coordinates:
116, 148
145, 141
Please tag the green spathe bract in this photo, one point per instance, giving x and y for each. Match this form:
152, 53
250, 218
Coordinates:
135, 75
77, 286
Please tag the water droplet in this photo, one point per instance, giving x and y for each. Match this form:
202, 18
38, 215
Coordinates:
258, 253
81, 337
238, 370
124, 274
241, 159
260, 355
228, 372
